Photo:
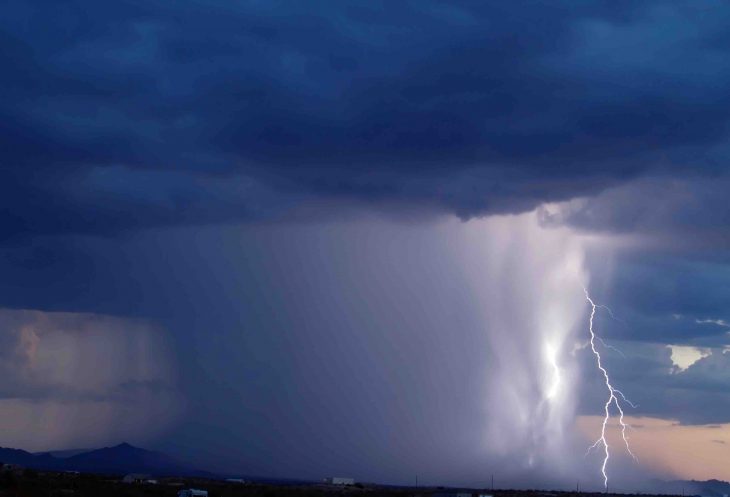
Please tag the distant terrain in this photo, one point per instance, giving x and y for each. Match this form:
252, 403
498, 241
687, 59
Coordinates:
120, 459
64, 453
74, 472
31, 483
709, 488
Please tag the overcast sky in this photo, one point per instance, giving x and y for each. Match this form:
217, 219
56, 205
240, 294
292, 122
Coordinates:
306, 239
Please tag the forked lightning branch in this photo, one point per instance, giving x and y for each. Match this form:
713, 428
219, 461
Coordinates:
615, 397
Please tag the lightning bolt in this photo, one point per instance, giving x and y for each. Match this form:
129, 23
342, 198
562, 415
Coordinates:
615, 397
603, 342
610, 313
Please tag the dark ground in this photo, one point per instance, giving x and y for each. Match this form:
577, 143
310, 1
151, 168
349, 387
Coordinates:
30, 483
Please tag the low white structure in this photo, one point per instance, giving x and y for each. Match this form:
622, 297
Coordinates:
135, 478
192, 492
338, 480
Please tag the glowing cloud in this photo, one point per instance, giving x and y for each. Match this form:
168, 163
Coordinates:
78, 380
684, 356
528, 278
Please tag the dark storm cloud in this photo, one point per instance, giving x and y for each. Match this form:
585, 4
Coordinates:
668, 288
667, 298
697, 395
690, 215
141, 114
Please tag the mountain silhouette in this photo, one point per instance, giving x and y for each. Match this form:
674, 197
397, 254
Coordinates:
707, 488
120, 459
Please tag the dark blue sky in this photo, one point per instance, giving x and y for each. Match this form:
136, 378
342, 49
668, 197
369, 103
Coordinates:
262, 220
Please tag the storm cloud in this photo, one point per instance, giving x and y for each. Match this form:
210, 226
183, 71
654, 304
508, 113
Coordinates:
321, 238
136, 115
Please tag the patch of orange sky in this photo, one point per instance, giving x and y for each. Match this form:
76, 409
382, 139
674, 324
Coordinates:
698, 452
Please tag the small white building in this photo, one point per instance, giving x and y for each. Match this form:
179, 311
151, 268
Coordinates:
456, 494
192, 492
11, 468
135, 478
338, 480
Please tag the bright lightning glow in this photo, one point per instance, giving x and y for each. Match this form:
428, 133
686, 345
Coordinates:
613, 398
552, 357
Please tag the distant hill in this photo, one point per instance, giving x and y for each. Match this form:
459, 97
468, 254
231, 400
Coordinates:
120, 459
64, 453
26, 459
709, 488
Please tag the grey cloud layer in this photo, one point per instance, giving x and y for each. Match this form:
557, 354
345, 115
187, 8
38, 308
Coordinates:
126, 116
